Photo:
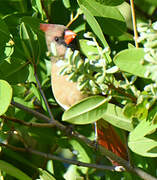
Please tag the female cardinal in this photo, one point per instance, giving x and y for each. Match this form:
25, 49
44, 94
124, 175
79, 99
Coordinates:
66, 92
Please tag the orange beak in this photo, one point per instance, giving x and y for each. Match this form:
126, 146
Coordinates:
69, 36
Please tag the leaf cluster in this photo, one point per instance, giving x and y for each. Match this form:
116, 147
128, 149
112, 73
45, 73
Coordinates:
121, 78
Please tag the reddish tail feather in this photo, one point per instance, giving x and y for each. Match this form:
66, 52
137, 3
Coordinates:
109, 138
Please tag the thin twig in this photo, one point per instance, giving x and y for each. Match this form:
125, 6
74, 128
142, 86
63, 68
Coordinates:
57, 158
140, 11
134, 22
31, 111
38, 115
46, 12
73, 19
43, 96
143, 174
123, 92
29, 124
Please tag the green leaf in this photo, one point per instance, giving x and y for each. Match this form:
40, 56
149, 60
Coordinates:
114, 115
86, 111
109, 17
13, 171
14, 72
18, 90
36, 92
5, 96
86, 49
6, 48
66, 3
129, 60
30, 43
38, 41
72, 173
110, 2
84, 153
139, 143
139, 111
22, 101
16, 156
44, 175
94, 25
32, 22
153, 2
4, 32
129, 110
8, 51
36, 5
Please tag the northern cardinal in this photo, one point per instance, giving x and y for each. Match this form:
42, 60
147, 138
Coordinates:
67, 94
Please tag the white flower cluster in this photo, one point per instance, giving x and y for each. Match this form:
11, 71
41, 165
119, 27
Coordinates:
148, 36
91, 74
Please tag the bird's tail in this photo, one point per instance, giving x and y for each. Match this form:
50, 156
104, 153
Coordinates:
110, 139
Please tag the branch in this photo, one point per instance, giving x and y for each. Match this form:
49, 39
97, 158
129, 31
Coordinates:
65, 160
29, 124
140, 11
143, 174
31, 111
73, 19
90, 143
38, 115
134, 22
123, 92
46, 12
43, 96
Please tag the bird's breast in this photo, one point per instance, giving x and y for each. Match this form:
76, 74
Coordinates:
65, 92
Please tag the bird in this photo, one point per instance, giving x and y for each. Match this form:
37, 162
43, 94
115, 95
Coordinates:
66, 92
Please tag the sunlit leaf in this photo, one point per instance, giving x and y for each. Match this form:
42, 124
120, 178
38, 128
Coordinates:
14, 72
114, 115
5, 96
109, 17
141, 141
86, 111
44, 175
94, 25
130, 60
30, 43
13, 171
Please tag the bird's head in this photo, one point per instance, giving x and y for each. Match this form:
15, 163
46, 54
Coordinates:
59, 36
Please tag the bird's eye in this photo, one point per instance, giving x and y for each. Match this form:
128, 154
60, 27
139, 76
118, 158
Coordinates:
56, 39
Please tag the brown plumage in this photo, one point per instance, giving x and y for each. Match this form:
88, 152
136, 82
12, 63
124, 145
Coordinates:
67, 94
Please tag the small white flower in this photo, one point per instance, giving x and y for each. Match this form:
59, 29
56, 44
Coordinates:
112, 70
119, 168
60, 63
148, 31
155, 26
86, 60
105, 50
91, 53
76, 53
148, 58
68, 53
147, 73
147, 88
53, 49
142, 29
100, 63
147, 106
87, 35
147, 49
91, 43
